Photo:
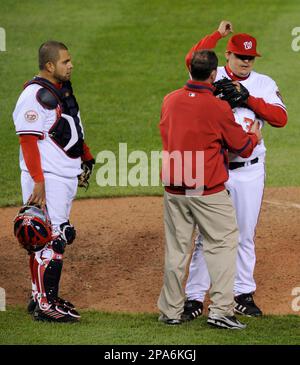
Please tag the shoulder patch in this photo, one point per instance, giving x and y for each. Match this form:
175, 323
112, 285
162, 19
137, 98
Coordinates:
46, 98
31, 116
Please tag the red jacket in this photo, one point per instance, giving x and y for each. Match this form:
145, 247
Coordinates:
193, 119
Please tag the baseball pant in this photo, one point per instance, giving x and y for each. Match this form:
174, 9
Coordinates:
215, 216
60, 192
246, 187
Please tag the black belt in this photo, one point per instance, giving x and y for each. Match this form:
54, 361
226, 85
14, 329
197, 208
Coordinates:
236, 165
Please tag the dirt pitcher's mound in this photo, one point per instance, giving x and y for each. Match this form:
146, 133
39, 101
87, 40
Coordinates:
116, 262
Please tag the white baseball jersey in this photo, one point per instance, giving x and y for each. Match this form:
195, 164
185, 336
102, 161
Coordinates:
260, 86
31, 118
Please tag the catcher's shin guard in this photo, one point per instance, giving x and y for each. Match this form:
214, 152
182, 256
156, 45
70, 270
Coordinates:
52, 276
47, 270
48, 265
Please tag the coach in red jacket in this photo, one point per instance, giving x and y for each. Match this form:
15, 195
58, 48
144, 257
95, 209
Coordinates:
197, 130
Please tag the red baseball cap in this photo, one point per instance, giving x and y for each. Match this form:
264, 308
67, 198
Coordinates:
243, 44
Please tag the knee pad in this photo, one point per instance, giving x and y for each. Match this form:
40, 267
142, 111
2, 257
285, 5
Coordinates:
59, 245
67, 232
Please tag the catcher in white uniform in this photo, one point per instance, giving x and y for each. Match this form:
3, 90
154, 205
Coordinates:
54, 160
252, 96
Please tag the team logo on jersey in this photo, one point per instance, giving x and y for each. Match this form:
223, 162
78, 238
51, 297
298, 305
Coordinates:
248, 45
31, 116
192, 95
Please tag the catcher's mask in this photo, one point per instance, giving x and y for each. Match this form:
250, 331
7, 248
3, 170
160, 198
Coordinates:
32, 227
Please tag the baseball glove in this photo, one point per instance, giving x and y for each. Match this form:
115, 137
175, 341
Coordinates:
235, 94
83, 178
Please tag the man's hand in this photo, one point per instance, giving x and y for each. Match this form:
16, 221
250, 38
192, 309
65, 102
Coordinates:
38, 195
256, 129
225, 28
237, 85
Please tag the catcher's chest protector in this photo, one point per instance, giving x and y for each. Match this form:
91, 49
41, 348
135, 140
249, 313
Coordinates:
67, 130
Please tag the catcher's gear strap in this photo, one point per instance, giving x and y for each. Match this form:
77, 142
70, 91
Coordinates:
61, 132
32, 156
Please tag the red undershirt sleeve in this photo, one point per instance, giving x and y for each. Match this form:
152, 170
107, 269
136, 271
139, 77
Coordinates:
208, 42
32, 156
86, 156
273, 114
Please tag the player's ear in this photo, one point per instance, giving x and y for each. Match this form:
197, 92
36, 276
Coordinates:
227, 54
49, 66
213, 76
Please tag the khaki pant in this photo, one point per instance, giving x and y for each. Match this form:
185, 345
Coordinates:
215, 216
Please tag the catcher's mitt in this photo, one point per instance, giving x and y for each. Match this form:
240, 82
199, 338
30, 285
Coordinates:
83, 178
235, 94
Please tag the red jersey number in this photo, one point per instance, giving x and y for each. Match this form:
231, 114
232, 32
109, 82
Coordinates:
248, 123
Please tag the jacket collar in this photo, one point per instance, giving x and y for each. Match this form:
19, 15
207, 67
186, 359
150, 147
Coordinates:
199, 86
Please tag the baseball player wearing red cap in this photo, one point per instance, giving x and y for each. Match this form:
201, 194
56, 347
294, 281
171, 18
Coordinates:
246, 175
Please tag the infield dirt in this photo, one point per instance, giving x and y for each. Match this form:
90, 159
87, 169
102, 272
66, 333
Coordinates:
116, 262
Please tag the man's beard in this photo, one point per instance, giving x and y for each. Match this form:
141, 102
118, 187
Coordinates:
61, 78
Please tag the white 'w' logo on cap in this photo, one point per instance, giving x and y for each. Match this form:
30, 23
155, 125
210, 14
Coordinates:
248, 45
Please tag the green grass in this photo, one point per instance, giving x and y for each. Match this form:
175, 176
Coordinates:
17, 327
128, 54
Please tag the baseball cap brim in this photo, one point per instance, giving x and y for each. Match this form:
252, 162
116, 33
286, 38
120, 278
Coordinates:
242, 52
243, 44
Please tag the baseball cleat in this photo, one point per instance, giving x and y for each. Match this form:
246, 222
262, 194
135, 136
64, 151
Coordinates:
244, 304
226, 322
60, 301
63, 309
169, 321
54, 313
192, 310
31, 305
65, 303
